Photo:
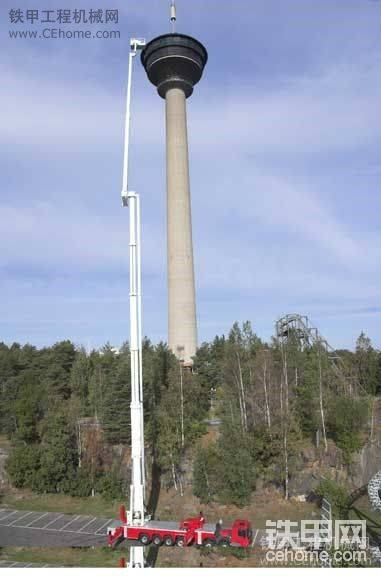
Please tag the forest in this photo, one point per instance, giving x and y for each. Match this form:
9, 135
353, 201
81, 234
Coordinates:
66, 412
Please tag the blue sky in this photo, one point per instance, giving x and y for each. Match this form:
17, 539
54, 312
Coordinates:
285, 135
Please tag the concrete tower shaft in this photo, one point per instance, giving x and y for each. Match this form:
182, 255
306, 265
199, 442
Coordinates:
182, 325
174, 63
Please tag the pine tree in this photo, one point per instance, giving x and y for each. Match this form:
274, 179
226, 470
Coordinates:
80, 378
58, 455
115, 390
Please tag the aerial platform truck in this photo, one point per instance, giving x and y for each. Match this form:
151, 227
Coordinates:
136, 525
193, 530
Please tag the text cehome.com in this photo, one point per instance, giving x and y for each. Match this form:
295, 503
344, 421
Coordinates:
315, 557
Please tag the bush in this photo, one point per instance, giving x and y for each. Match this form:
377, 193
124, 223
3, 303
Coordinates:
110, 486
23, 464
346, 418
206, 474
79, 485
238, 473
336, 495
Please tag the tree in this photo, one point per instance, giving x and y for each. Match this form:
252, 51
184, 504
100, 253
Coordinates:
26, 408
237, 472
58, 459
346, 419
23, 464
59, 361
79, 379
368, 367
115, 388
207, 473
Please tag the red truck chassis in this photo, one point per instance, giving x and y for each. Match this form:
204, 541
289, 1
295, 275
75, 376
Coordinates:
187, 532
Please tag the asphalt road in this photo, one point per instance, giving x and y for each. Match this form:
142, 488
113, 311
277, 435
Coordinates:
21, 528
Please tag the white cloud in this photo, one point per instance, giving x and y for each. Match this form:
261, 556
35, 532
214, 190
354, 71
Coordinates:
50, 237
264, 232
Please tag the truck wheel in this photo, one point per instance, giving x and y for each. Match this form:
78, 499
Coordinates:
224, 543
180, 541
144, 539
208, 543
168, 541
156, 539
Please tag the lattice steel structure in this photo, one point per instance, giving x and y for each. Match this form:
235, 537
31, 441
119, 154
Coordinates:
308, 336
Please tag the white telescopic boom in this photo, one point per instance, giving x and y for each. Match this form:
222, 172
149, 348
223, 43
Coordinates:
136, 514
137, 510
135, 44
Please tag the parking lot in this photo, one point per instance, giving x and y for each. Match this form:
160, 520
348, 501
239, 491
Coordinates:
10, 564
21, 528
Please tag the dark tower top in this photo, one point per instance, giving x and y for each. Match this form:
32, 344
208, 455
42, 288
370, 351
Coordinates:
174, 61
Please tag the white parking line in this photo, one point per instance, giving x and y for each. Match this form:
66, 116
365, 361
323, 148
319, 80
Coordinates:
18, 519
254, 539
36, 519
52, 521
88, 523
70, 522
8, 516
57, 531
103, 526
13, 564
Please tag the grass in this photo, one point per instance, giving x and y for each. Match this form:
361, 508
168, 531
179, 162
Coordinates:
81, 558
27, 500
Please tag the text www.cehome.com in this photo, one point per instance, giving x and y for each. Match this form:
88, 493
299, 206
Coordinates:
60, 34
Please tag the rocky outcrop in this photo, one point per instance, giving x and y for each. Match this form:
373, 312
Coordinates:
365, 464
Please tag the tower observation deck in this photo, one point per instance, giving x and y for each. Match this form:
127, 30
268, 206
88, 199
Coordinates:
174, 64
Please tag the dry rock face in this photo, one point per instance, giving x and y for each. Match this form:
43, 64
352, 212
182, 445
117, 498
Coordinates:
366, 464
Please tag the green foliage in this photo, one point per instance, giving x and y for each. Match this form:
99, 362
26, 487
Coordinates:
26, 407
58, 458
111, 487
266, 452
266, 395
336, 495
179, 417
80, 484
114, 387
346, 419
307, 393
368, 365
209, 362
23, 464
224, 471
80, 379
206, 473
238, 471
60, 359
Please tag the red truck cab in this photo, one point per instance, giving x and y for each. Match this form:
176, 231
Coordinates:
240, 534
192, 523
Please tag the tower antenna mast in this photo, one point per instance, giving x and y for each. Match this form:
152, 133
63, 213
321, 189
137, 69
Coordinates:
173, 15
